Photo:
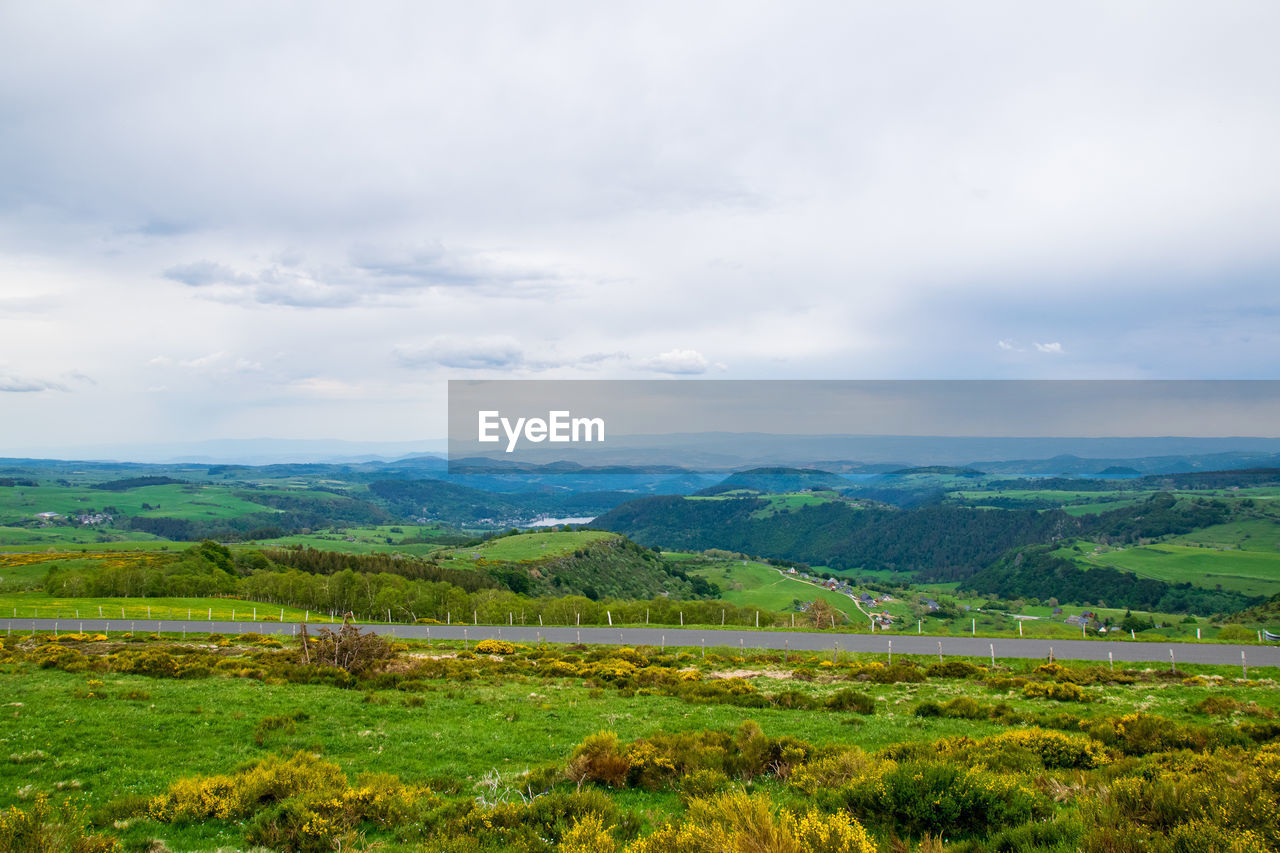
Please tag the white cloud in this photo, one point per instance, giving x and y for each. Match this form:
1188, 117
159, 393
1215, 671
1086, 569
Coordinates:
544, 192
678, 361
492, 352
203, 361
22, 385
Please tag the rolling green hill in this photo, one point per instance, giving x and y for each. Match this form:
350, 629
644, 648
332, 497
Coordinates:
1252, 573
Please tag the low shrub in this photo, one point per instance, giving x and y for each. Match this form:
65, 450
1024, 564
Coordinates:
918, 798
737, 821
850, 700
598, 759
953, 669
1064, 692
44, 828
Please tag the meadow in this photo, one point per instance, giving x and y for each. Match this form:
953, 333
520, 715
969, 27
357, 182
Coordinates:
1252, 572
185, 501
463, 751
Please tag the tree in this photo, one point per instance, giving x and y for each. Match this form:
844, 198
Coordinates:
347, 648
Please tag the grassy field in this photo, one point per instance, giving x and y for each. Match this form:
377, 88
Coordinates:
27, 571
383, 539
760, 585
172, 501
44, 606
111, 739
1250, 572
1058, 496
532, 546
1258, 534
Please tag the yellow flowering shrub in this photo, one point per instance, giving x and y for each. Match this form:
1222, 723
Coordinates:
1064, 692
737, 821
588, 835
43, 828
1055, 750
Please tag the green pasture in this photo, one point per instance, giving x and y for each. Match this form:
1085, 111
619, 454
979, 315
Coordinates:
102, 737
41, 605
532, 546
1249, 572
1254, 534
360, 540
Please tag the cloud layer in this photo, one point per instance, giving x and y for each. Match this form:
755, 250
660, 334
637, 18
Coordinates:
358, 203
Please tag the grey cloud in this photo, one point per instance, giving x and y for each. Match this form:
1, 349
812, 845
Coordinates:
437, 266
19, 385
279, 284
485, 353
205, 274
493, 353
369, 276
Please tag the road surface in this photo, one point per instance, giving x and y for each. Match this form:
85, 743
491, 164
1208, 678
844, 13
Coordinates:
1256, 656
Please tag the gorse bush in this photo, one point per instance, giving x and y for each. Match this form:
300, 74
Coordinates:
599, 759
1227, 800
45, 828
300, 803
735, 821
915, 798
671, 760
494, 647
1064, 692
1052, 750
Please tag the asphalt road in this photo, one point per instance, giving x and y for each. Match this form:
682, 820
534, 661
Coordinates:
1092, 650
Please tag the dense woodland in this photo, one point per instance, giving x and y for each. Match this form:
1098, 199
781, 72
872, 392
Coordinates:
937, 543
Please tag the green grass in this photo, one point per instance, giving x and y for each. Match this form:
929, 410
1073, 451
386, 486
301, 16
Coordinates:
760, 585
1256, 534
172, 501
533, 546
25, 605
1097, 507
382, 539
792, 501
1249, 572
1060, 496
145, 733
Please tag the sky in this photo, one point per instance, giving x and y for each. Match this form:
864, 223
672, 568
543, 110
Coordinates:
299, 220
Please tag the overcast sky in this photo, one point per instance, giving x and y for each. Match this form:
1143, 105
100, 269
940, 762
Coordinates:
299, 219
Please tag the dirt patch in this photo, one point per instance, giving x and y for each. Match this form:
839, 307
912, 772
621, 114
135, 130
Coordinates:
778, 674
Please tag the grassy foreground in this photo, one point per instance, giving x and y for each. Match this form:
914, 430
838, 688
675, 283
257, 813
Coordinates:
226, 743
